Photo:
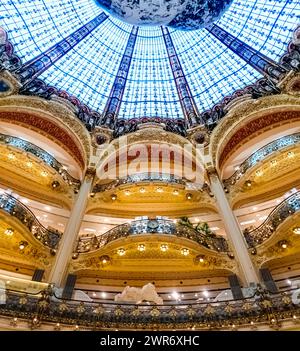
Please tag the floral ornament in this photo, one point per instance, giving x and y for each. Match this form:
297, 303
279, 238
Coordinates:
80, 309
173, 313
118, 312
155, 312
228, 309
286, 300
43, 304
209, 310
191, 312
99, 310
23, 300
266, 303
247, 306
135, 312
63, 307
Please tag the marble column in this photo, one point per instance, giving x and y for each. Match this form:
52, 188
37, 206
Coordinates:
235, 236
60, 268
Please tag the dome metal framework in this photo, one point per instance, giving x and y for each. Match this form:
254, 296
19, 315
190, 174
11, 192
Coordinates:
123, 72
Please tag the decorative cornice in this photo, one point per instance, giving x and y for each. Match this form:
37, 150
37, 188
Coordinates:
52, 118
259, 114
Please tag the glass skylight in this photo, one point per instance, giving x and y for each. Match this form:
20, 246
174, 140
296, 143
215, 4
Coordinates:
89, 69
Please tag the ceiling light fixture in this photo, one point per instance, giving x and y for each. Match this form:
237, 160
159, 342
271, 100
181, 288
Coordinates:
121, 252
296, 230
185, 252
141, 247
9, 231
164, 247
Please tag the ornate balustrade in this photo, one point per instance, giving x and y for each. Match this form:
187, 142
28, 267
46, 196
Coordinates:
262, 308
147, 226
138, 178
44, 156
261, 154
15, 208
284, 210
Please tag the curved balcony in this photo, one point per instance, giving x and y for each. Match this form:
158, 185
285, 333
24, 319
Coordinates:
15, 208
140, 178
151, 177
261, 154
41, 154
148, 226
284, 210
262, 307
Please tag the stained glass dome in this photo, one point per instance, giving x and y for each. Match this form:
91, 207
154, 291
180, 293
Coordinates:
88, 70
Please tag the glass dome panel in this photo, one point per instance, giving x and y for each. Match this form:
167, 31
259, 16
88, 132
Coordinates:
88, 70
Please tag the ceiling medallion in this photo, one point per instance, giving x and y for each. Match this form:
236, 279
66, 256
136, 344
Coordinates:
179, 14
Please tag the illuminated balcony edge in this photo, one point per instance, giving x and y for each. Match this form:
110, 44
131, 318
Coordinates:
15, 208
141, 227
263, 308
44, 156
284, 210
262, 154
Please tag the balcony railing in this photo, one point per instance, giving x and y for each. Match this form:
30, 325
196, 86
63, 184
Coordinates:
41, 154
15, 208
267, 309
139, 178
148, 226
262, 154
284, 210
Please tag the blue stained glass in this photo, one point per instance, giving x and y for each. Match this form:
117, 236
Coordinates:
88, 70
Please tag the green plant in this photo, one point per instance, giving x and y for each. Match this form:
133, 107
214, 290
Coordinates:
202, 228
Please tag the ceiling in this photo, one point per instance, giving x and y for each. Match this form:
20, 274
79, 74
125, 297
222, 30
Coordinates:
88, 70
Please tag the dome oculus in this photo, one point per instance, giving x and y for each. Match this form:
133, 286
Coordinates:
179, 14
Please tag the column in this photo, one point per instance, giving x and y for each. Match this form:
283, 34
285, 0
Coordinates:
35, 67
234, 233
60, 268
254, 58
113, 104
188, 105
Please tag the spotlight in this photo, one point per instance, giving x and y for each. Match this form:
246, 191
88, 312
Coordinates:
9, 231
248, 183
22, 245
11, 156
185, 251
283, 244
121, 252
141, 247
114, 197
55, 184
200, 258
104, 259
164, 247
189, 196
296, 230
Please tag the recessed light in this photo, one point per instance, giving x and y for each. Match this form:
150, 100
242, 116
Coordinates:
164, 247
121, 252
141, 247
185, 252
296, 230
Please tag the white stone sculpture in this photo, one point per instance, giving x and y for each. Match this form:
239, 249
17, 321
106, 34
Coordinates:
138, 295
